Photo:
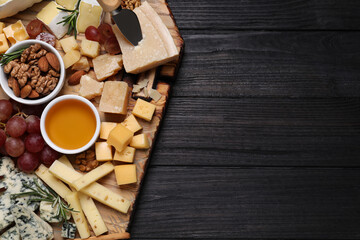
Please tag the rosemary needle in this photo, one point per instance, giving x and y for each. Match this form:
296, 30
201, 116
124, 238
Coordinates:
5, 58
71, 18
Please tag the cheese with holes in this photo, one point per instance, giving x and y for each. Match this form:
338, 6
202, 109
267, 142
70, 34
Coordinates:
2, 26
90, 48
156, 48
105, 129
82, 64
78, 215
89, 15
144, 109
71, 58
68, 4
125, 174
132, 124
69, 44
93, 175
50, 15
94, 190
120, 137
126, 155
140, 142
16, 32
92, 214
90, 88
107, 65
114, 98
103, 151
55, 184
4, 46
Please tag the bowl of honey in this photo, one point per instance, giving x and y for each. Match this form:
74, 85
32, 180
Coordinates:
70, 124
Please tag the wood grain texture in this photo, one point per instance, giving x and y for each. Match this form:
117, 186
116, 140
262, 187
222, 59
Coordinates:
269, 64
260, 132
266, 14
244, 203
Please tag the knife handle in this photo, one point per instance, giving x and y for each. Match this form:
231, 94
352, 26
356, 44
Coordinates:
109, 5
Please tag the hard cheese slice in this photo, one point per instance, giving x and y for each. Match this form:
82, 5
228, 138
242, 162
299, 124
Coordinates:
114, 98
152, 50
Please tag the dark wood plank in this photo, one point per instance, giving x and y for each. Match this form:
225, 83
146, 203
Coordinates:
224, 203
271, 64
260, 132
266, 14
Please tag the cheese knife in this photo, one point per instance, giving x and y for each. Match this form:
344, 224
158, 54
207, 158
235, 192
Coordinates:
125, 19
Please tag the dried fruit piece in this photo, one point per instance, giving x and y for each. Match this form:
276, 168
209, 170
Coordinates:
75, 78
53, 61
25, 91
43, 64
34, 28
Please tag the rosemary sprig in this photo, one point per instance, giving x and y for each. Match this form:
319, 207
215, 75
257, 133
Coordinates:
71, 18
47, 195
5, 58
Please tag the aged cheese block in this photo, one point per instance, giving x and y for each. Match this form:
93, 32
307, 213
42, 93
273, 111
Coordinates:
105, 129
4, 46
16, 32
90, 88
125, 174
114, 98
132, 124
89, 15
50, 15
103, 151
93, 175
90, 48
120, 137
127, 155
82, 64
71, 58
107, 65
153, 50
140, 142
143, 109
69, 44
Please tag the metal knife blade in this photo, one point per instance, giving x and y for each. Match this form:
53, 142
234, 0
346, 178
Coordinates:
129, 25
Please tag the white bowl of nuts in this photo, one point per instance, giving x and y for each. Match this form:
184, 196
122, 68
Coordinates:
32, 72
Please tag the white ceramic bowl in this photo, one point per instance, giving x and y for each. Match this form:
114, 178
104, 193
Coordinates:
48, 140
47, 98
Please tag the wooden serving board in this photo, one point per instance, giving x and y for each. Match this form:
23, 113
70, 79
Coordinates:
118, 223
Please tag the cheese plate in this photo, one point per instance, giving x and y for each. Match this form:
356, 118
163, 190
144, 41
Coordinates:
158, 78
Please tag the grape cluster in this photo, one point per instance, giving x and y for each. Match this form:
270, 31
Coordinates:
105, 36
21, 138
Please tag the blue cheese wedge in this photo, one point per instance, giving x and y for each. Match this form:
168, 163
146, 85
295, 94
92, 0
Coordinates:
11, 234
50, 213
30, 225
68, 230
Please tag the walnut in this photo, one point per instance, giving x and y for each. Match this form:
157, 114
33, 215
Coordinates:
22, 75
32, 52
86, 161
53, 73
12, 67
130, 4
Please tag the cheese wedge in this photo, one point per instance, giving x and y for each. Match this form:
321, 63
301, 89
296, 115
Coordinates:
89, 15
107, 65
156, 48
78, 215
68, 4
90, 88
63, 159
94, 190
50, 15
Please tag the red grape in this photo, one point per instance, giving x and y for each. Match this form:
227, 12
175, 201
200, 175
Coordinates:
92, 33
112, 45
34, 142
2, 137
48, 156
14, 146
5, 110
28, 162
33, 124
34, 28
16, 126
3, 151
105, 31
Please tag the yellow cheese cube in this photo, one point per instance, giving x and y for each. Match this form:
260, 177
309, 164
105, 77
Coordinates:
82, 64
144, 110
2, 26
71, 57
105, 129
125, 174
16, 32
120, 137
69, 44
114, 98
4, 46
107, 65
90, 88
127, 155
90, 48
132, 124
140, 142
103, 151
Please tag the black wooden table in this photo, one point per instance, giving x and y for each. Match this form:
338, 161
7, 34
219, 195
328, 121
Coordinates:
262, 134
